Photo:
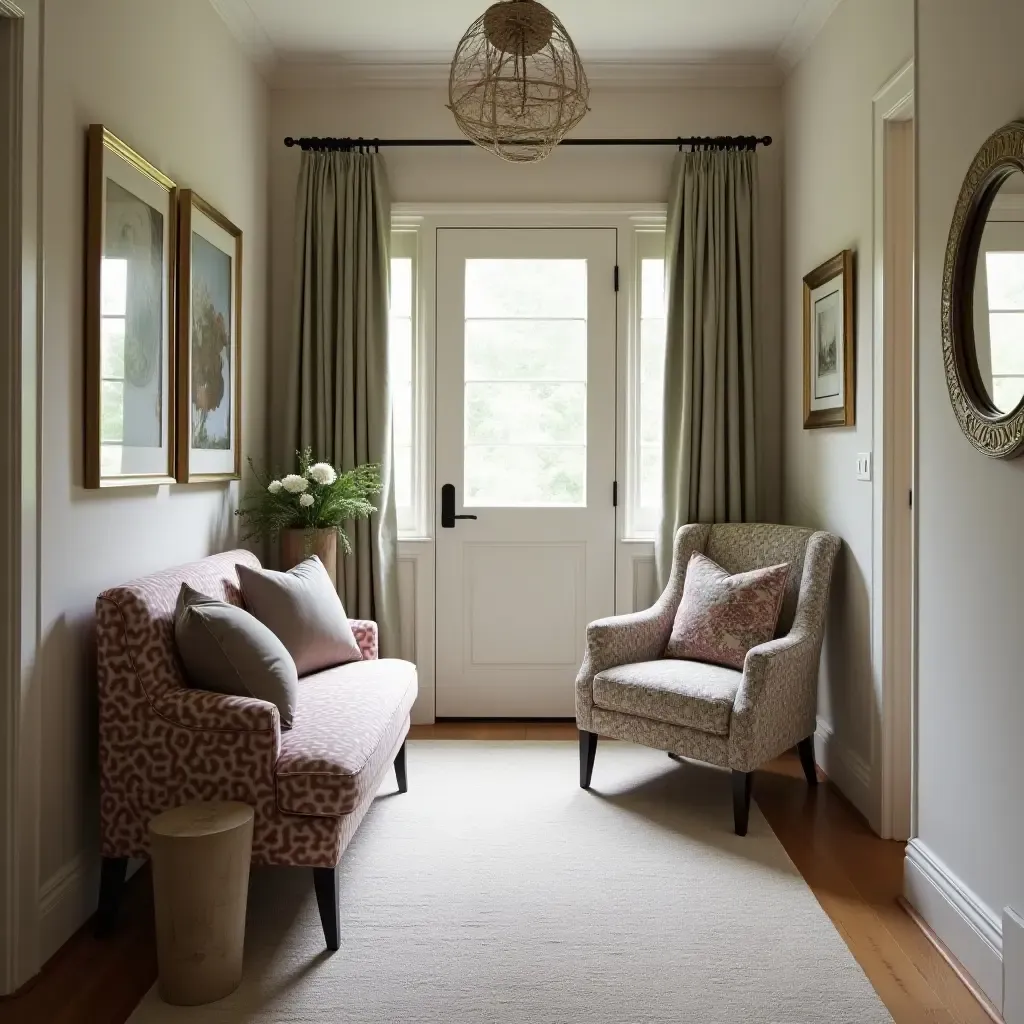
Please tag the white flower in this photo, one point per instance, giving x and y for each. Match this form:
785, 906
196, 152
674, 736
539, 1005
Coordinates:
274, 487
294, 484
323, 474
306, 500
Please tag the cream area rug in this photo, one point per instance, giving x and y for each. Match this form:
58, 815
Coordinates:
496, 890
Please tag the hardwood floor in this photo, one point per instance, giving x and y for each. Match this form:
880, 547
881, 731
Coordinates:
856, 877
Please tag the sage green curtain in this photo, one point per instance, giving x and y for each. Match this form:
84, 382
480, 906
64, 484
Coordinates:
709, 468
339, 392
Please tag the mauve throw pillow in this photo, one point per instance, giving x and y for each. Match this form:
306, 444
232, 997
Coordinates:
227, 650
721, 616
303, 610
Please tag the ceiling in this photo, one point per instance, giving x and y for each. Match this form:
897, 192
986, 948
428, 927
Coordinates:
404, 31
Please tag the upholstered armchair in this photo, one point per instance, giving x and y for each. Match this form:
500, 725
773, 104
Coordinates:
627, 689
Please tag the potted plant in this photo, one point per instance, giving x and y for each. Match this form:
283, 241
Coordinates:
306, 509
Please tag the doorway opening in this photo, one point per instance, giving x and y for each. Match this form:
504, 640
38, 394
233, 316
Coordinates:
525, 464
893, 625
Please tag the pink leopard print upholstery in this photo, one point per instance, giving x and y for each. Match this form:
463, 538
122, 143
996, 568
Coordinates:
338, 749
366, 636
162, 744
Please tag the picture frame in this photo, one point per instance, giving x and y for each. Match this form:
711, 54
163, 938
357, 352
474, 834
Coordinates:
131, 228
829, 344
209, 354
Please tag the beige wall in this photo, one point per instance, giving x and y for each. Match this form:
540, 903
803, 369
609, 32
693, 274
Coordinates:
568, 176
965, 866
829, 207
169, 80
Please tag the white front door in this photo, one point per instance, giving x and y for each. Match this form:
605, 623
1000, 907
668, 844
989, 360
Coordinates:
526, 326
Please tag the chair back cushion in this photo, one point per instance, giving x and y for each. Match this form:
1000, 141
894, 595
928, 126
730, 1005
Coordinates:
740, 547
142, 617
722, 616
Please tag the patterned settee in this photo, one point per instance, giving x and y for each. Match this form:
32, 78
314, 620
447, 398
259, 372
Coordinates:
163, 744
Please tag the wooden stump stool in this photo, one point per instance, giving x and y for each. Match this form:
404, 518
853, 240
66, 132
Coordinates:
201, 854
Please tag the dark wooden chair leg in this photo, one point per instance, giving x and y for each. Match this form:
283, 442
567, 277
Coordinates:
403, 781
325, 881
741, 786
806, 749
112, 875
588, 750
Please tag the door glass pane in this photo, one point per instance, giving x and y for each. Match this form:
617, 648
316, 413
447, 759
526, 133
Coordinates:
522, 413
526, 288
525, 383
525, 475
526, 350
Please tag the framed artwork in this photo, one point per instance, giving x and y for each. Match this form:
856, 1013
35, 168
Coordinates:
209, 343
829, 343
131, 211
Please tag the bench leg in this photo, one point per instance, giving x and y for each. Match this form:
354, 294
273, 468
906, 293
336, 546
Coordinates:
325, 881
112, 875
400, 775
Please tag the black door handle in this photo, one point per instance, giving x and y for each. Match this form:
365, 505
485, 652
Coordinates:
448, 515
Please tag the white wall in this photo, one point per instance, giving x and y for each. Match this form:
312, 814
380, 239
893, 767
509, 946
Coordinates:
170, 81
966, 865
829, 207
624, 175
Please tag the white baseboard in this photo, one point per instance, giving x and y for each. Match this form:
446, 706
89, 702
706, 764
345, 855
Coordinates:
846, 769
66, 901
969, 928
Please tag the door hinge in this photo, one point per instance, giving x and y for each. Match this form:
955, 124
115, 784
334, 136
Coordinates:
616, 277
911, 499
615, 494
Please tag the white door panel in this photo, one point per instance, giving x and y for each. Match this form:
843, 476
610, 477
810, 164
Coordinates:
526, 437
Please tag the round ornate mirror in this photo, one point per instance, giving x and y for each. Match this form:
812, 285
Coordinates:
983, 298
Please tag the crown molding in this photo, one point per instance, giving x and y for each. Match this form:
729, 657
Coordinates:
248, 30
805, 29
355, 71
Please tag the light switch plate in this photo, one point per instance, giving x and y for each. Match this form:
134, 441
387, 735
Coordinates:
1013, 967
864, 465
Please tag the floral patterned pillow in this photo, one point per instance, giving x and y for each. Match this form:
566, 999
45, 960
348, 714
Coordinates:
721, 617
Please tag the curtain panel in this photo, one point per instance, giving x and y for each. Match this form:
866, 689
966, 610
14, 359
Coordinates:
709, 467
339, 388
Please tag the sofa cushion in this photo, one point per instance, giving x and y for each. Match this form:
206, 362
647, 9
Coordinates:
302, 608
722, 616
350, 722
227, 650
687, 693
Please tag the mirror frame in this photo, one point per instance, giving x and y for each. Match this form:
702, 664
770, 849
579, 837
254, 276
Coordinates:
994, 433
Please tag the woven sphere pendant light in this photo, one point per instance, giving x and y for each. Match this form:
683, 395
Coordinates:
517, 84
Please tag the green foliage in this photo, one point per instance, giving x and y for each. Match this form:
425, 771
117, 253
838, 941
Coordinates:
276, 505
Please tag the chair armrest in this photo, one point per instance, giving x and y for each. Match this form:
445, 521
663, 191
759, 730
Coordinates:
638, 636
620, 640
776, 705
366, 635
205, 711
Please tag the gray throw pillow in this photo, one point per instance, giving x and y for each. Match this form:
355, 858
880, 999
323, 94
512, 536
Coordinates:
303, 610
227, 650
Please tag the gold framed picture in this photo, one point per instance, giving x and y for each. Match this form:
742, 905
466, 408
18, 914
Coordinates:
131, 211
209, 343
829, 344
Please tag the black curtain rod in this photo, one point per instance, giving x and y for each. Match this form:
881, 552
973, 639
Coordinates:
749, 142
